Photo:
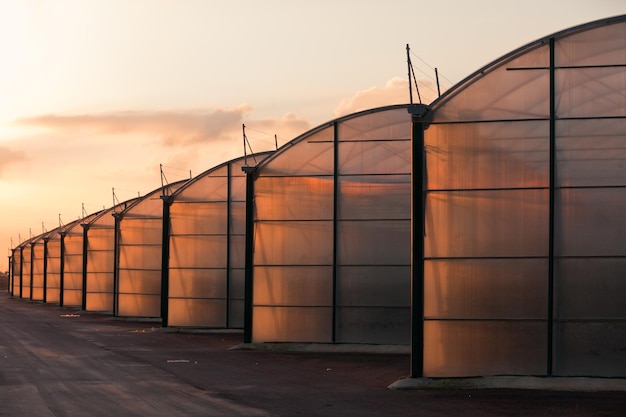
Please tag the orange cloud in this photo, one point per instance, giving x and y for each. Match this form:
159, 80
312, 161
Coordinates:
9, 156
396, 91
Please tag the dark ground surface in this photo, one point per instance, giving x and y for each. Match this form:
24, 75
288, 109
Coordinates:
61, 362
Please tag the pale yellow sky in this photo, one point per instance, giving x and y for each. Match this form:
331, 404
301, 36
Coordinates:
97, 93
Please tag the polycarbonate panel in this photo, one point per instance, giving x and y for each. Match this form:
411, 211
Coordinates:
590, 153
197, 313
384, 157
139, 305
380, 125
313, 155
100, 282
238, 187
17, 271
594, 349
293, 286
53, 271
294, 243
488, 155
603, 45
486, 223
211, 187
197, 283
100, 261
100, 239
198, 251
294, 198
236, 311
374, 286
139, 282
374, 242
198, 218
374, 325
591, 92
37, 266
100, 302
237, 284
509, 91
237, 251
590, 288
26, 272
479, 348
237, 218
486, 288
72, 298
140, 257
141, 231
374, 197
292, 324
590, 222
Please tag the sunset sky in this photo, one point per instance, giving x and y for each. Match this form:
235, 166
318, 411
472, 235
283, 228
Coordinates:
96, 94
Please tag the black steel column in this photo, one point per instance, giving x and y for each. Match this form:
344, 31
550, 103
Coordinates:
32, 259
229, 192
116, 259
551, 213
45, 270
249, 271
85, 249
165, 261
335, 216
62, 268
417, 240
11, 278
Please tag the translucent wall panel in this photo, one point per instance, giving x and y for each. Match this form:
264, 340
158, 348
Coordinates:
469, 348
53, 270
38, 267
504, 92
490, 223
26, 271
207, 248
488, 155
73, 268
16, 271
343, 230
487, 226
99, 291
140, 254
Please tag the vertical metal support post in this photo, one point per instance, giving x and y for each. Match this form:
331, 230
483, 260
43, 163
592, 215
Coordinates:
116, 264
32, 262
417, 242
10, 276
335, 221
45, 270
550, 346
61, 268
21, 271
229, 202
249, 269
85, 258
165, 261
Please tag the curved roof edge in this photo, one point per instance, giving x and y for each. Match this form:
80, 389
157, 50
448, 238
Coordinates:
329, 123
455, 89
216, 167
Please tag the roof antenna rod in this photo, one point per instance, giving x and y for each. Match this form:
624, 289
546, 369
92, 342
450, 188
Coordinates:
437, 78
246, 142
276, 141
412, 72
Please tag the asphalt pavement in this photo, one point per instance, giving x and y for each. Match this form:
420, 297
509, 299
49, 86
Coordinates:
63, 362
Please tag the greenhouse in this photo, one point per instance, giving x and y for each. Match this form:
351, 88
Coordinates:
520, 247
52, 294
138, 257
72, 241
204, 262
99, 246
331, 256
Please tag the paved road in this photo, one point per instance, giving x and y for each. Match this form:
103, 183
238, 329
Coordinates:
60, 362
